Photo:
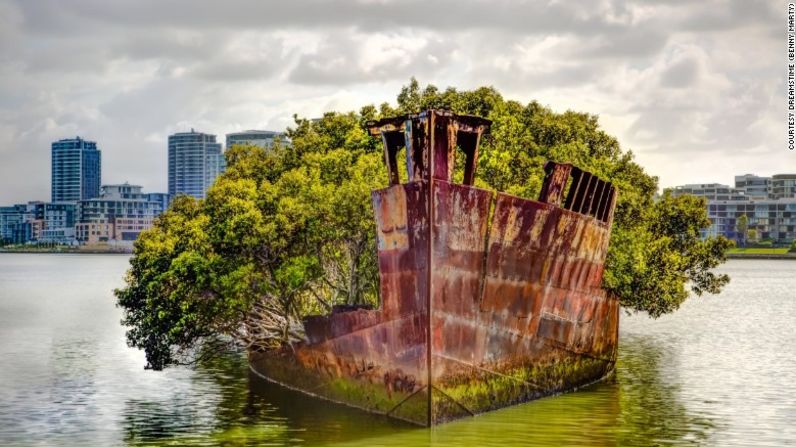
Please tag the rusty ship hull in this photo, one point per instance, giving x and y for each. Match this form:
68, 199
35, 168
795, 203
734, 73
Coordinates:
487, 300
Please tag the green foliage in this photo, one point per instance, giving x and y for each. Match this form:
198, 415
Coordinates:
650, 263
765, 243
742, 229
282, 233
290, 231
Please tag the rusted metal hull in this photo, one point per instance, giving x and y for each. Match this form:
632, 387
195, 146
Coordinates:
487, 300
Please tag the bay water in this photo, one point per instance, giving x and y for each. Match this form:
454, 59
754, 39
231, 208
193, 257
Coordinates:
719, 371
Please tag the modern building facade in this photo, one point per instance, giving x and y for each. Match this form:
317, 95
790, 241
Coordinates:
21, 223
119, 215
769, 203
162, 198
75, 170
783, 186
262, 138
10, 218
59, 223
710, 191
753, 186
195, 160
116, 217
33, 223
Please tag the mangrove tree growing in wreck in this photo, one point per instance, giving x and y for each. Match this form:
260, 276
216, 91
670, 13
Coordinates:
289, 231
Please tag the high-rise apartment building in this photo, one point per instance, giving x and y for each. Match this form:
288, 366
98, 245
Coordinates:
195, 160
76, 170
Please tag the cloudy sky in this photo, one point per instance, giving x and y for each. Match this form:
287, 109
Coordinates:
695, 88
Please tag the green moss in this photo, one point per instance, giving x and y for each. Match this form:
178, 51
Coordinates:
455, 396
356, 392
482, 391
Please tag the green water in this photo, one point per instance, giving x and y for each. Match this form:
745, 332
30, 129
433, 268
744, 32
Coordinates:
721, 371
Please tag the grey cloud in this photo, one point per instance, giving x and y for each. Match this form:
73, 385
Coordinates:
516, 17
679, 76
170, 44
263, 61
70, 58
340, 62
525, 16
732, 14
635, 42
682, 74
518, 77
238, 70
686, 124
157, 104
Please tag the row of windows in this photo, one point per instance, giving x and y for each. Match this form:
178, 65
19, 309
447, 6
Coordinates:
767, 215
780, 228
754, 207
119, 205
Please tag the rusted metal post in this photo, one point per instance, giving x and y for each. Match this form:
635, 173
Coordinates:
556, 176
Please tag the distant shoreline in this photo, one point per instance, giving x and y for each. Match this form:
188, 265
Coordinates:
67, 252
730, 255
760, 253
785, 256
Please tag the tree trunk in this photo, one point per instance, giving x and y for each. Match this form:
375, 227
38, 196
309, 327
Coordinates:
353, 280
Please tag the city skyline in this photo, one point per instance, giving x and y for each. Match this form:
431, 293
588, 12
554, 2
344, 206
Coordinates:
267, 137
85, 211
670, 81
79, 142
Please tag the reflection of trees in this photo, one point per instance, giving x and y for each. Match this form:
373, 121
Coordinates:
231, 406
322, 421
192, 409
252, 411
228, 405
651, 410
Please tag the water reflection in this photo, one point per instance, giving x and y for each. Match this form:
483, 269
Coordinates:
719, 372
652, 411
238, 408
639, 406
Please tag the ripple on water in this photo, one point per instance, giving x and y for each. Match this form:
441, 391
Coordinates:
720, 371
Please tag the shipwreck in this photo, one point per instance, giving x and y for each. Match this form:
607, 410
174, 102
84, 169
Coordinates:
487, 299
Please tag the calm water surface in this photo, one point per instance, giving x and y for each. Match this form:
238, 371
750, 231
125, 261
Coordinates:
721, 371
